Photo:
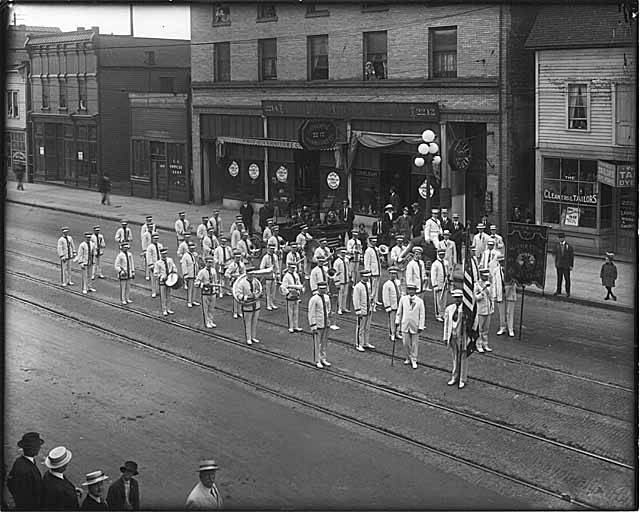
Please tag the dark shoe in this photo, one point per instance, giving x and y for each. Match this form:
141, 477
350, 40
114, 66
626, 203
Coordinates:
606, 298
557, 293
614, 297
568, 294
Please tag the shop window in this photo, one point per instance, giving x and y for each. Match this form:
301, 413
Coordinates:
166, 83
150, 57
313, 10
606, 206
366, 192
268, 58
444, 52
140, 160
578, 106
570, 193
45, 93
222, 62
82, 94
221, 14
12, 104
267, 12
317, 57
625, 114
62, 90
375, 55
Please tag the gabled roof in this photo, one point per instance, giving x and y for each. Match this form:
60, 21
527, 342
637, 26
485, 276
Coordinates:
63, 37
580, 26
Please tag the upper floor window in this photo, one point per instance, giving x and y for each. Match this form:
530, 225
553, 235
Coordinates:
45, 93
375, 55
12, 104
150, 58
221, 14
444, 52
578, 104
82, 94
375, 6
62, 101
267, 12
221, 62
625, 114
313, 10
166, 83
268, 56
318, 57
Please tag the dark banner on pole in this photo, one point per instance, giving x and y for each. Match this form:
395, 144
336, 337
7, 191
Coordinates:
526, 258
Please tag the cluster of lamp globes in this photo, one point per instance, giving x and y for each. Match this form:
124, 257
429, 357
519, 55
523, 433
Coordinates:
428, 147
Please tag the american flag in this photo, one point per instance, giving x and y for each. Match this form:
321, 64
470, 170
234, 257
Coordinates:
469, 307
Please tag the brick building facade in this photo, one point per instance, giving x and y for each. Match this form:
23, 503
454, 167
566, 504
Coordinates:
261, 73
79, 85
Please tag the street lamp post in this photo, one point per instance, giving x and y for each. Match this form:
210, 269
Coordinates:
426, 148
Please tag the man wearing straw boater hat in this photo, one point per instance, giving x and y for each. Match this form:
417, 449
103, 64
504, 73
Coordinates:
410, 321
98, 239
86, 258
319, 310
146, 232
440, 276
95, 487
341, 279
390, 299
124, 493
126, 272
363, 308
25, 480
247, 290
207, 281
456, 339
152, 256
58, 493
205, 495
124, 234
291, 288
66, 252
164, 267
181, 227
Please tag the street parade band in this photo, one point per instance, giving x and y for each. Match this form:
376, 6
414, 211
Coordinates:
341, 279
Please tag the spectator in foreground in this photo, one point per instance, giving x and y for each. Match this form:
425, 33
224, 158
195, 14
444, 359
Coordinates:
124, 493
25, 480
205, 495
609, 274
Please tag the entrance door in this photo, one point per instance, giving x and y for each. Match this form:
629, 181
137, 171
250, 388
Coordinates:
625, 221
475, 187
159, 178
396, 173
307, 178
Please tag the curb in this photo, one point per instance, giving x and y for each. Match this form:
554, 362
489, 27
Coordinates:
574, 300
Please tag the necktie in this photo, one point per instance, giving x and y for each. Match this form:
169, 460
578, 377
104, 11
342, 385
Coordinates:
128, 236
251, 284
420, 267
166, 268
366, 287
344, 270
126, 255
224, 255
412, 302
324, 277
324, 309
90, 253
397, 291
157, 250
455, 315
184, 227
68, 247
210, 276
271, 259
502, 281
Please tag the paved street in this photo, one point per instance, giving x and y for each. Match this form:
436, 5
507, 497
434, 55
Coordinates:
569, 387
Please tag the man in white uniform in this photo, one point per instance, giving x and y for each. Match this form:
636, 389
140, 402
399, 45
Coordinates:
410, 319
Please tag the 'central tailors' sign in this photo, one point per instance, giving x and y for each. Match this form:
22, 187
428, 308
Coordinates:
526, 258
317, 134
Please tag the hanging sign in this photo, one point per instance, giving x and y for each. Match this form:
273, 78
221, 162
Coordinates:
80, 155
460, 155
317, 134
254, 171
42, 150
333, 180
282, 174
422, 190
234, 169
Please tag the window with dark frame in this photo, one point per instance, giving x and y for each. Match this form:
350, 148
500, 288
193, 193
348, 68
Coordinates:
577, 115
12, 104
62, 102
268, 58
375, 55
221, 14
82, 94
267, 12
313, 9
150, 58
45, 93
222, 62
444, 52
317, 57
166, 83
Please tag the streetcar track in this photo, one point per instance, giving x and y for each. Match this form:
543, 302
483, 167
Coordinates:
287, 397
426, 365
358, 380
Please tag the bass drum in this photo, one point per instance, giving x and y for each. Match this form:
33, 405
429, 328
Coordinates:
310, 248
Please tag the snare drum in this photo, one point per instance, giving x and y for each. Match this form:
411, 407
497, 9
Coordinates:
172, 280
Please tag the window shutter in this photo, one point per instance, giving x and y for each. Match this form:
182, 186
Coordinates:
625, 125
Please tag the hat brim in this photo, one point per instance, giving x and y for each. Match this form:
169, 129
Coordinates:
209, 468
63, 462
87, 484
123, 469
30, 442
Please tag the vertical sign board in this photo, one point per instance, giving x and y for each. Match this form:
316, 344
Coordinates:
526, 258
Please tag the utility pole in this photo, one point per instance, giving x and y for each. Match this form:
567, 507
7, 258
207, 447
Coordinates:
131, 19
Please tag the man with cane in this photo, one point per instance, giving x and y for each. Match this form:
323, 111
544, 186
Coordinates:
456, 339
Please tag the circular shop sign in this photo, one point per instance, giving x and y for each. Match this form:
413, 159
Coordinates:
254, 171
422, 190
234, 169
282, 174
333, 180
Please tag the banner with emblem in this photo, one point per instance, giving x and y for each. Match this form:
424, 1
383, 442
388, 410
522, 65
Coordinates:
526, 258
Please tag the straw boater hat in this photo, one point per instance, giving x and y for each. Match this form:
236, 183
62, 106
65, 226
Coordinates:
155, 235
493, 226
455, 215
417, 249
64, 229
209, 258
180, 213
411, 287
124, 221
365, 273
392, 269
322, 285
93, 478
485, 272
491, 241
456, 293
207, 465
480, 225
434, 210
58, 457
388, 207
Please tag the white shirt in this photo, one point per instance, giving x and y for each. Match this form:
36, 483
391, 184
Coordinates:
55, 473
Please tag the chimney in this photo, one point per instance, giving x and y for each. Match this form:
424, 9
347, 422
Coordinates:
96, 29
80, 29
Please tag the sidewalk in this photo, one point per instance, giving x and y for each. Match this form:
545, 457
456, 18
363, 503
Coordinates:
585, 278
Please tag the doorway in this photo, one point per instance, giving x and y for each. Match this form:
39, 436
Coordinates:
396, 173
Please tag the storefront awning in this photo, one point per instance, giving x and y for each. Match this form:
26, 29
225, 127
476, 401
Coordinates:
376, 140
263, 143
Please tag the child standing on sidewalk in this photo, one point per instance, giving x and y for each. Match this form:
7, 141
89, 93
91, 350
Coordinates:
609, 274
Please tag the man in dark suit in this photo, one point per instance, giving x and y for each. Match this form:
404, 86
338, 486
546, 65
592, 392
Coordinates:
58, 492
457, 235
346, 216
124, 493
382, 227
418, 220
264, 213
25, 480
563, 254
246, 211
445, 221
